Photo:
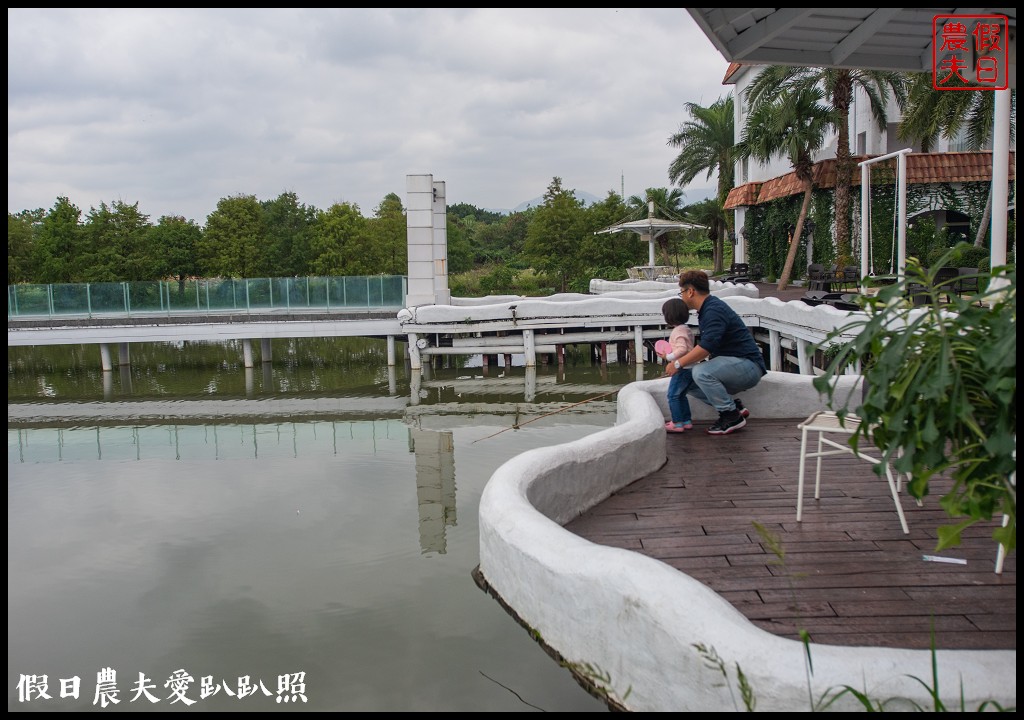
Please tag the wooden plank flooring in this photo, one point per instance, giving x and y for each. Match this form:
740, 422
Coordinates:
848, 576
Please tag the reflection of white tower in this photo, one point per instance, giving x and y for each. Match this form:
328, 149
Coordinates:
435, 485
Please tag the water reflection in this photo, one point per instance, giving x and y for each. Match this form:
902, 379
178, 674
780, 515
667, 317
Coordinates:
435, 486
316, 515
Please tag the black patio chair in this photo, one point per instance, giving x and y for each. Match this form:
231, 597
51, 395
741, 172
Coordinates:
737, 273
967, 284
814, 297
851, 277
947, 279
817, 278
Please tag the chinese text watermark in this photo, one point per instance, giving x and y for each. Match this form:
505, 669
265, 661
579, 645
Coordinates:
178, 689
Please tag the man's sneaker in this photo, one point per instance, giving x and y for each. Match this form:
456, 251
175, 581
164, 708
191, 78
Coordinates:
740, 409
727, 422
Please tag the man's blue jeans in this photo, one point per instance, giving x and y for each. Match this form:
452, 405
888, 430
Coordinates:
715, 381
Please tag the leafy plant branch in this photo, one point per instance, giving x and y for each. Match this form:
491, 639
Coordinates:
941, 390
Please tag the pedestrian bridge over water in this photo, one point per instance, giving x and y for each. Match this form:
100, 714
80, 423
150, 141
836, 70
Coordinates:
626, 317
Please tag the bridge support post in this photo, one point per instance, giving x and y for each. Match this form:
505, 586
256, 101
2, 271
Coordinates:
265, 350
774, 350
391, 351
638, 345
530, 347
122, 354
415, 381
415, 361
803, 358
247, 353
105, 358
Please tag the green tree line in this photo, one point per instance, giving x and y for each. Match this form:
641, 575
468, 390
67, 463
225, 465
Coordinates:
548, 248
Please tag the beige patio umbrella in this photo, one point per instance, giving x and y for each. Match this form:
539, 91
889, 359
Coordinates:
651, 228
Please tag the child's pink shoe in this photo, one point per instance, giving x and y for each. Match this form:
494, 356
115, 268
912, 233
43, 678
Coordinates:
673, 428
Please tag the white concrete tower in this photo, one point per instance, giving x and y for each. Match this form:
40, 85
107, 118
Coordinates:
442, 294
427, 241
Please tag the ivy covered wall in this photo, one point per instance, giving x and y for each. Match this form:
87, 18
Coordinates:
766, 226
767, 229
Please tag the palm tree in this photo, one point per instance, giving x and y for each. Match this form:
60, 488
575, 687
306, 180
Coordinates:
791, 124
707, 143
668, 204
932, 113
838, 85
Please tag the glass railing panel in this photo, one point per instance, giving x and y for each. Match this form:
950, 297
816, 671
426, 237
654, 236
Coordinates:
28, 300
187, 296
205, 295
89, 299
259, 294
146, 297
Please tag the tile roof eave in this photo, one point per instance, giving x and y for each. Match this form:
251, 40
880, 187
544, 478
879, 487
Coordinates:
922, 168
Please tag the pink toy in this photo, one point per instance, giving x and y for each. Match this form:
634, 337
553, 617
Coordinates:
662, 347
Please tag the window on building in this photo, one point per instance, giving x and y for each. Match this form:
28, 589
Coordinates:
893, 142
959, 143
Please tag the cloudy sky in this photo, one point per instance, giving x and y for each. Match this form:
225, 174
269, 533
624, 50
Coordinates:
176, 109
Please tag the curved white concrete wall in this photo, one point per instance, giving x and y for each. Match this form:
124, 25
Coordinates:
638, 619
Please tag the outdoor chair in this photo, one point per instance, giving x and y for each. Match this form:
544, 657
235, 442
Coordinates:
737, 273
827, 423
947, 279
842, 301
815, 297
946, 282
817, 278
851, 277
967, 284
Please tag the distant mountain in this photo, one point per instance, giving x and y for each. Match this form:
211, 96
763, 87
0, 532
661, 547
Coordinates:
587, 198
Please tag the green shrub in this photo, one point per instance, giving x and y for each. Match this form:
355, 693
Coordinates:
499, 281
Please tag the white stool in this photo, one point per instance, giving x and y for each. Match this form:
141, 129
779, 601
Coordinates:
826, 422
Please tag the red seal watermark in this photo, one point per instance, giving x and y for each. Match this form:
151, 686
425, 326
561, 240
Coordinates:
970, 52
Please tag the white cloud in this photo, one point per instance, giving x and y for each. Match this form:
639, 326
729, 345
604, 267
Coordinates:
178, 108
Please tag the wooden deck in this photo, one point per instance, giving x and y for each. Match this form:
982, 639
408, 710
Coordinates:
848, 576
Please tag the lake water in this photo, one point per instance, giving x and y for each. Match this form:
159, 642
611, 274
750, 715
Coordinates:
299, 537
